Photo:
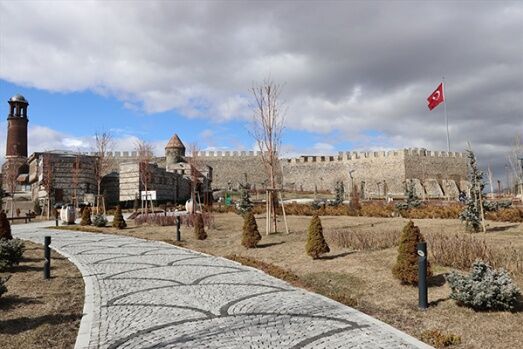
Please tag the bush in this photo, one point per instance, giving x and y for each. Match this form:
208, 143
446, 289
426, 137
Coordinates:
11, 252
3, 287
484, 288
99, 220
86, 217
406, 267
199, 229
251, 236
5, 227
316, 243
118, 221
439, 339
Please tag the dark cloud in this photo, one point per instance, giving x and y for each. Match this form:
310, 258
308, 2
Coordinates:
347, 66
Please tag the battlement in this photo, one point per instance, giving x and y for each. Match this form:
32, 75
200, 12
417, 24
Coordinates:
353, 155
117, 154
210, 154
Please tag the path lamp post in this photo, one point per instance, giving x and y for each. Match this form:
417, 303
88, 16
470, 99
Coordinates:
422, 276
47, 256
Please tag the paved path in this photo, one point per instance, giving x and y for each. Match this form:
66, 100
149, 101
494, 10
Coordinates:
147, 294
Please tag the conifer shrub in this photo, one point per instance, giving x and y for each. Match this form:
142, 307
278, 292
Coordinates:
118, 220
86, 217
11, 252
316, 244
99, 220
406, 267
244, 205
199, 229
5, 227
484, 288
251, 236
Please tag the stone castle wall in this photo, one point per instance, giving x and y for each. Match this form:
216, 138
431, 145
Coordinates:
232, 167
376, 174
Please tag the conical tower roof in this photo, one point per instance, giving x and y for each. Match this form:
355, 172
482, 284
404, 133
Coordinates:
175, 142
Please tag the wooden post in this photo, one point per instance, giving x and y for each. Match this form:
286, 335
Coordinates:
284, 216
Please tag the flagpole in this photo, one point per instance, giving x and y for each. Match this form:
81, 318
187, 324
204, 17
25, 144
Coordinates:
446, 117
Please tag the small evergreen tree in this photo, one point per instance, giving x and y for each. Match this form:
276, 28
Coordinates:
339, 189
245, 205
472, 214
118, 220
251, 236
316, 244
412, 199
86, 216
199, 229
406, 267
5, 227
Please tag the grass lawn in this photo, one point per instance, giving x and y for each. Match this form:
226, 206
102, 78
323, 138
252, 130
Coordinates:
37, 313
364, 278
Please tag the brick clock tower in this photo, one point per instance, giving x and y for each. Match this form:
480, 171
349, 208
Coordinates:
16, 145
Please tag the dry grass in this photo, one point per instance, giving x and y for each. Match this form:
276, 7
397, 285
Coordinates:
37, 313
366, 240
364, 277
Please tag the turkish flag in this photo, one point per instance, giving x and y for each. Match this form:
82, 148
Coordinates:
436, 97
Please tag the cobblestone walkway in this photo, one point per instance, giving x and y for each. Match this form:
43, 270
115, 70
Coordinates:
146, 294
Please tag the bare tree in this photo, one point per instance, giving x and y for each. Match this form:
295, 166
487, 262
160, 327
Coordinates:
103, 163
144, 152
268, 122
196, 175
514, 160
10, 176
47, 179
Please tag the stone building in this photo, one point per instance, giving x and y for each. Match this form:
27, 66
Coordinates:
171, 182
71, 177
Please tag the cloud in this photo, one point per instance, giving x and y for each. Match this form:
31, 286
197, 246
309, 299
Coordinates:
348, 67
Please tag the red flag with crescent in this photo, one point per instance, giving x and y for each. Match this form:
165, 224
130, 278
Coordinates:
436, 97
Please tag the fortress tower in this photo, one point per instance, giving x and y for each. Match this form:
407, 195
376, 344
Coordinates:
174, 151
17, 128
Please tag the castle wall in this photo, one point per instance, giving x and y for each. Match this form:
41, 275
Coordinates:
233, 166
375, 174
441, 172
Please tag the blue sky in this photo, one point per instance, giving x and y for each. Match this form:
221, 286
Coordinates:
78, 115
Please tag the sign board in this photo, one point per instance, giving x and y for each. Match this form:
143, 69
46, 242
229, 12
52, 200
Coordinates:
148, 195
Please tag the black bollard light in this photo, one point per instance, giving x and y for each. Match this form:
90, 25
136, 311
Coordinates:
178, 223
47, 256
422, 276
56, 221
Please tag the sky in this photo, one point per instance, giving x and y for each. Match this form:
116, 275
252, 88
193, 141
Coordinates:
355, 75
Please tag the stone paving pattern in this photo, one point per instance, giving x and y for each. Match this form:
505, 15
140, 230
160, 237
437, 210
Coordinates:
148, 294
